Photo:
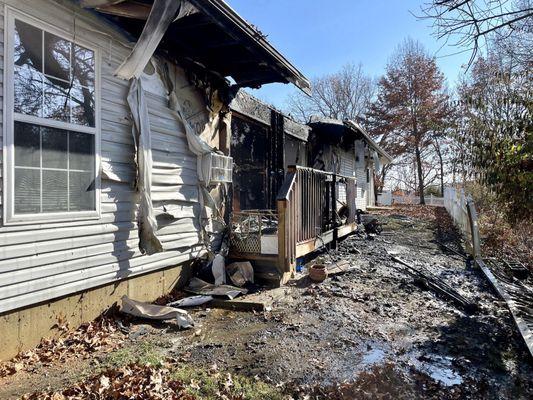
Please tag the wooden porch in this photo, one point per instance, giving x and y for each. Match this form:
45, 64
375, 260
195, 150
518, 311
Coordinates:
314, 209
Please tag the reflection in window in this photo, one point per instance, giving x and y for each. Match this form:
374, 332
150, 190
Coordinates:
54, 170
54, 78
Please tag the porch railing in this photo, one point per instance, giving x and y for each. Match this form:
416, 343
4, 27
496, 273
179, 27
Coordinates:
308, 207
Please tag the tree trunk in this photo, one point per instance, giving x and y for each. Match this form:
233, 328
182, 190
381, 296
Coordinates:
420, 175
441, 165
441, 178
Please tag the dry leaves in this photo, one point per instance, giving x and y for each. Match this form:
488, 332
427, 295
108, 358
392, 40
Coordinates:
133, 381
87, 339
152, 383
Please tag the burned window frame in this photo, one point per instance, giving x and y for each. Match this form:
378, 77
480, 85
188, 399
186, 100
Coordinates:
10, 217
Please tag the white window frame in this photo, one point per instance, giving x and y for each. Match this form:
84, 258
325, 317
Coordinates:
9, 216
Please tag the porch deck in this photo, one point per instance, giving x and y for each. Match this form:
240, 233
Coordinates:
314, 209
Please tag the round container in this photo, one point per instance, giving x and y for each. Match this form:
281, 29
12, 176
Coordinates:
318, 272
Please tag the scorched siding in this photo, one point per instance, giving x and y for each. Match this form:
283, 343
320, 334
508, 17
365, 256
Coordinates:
42, 261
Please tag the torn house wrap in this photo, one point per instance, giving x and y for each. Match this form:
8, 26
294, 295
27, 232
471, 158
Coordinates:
161, 16
148, 241
211, 209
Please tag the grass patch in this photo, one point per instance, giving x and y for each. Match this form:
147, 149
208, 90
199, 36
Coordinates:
209, 385
143, 353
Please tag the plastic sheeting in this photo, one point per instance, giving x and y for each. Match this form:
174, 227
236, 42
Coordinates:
160, 18
148, 241
156, 312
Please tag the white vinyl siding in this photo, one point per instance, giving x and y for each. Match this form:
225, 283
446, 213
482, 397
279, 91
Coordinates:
45, 260
347, 168
360, 174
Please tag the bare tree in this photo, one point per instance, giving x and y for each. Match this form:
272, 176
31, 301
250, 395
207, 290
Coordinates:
345, 94
469, 22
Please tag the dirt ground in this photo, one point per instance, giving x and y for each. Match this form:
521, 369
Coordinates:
368, 333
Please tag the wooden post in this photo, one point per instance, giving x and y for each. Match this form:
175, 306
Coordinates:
334, 211
474, 228
282, 233
326, 223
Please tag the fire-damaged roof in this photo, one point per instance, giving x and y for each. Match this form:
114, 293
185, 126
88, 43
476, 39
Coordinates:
214, 36
336, 129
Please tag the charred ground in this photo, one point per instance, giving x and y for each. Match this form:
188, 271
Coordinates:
366, 333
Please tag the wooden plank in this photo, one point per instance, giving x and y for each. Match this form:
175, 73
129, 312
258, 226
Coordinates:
254, 256
346, 229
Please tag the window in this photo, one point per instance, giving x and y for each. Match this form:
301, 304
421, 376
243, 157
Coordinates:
51, 164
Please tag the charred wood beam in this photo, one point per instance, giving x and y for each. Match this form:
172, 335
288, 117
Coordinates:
276, 156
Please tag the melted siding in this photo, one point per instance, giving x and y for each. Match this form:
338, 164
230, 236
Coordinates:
43, 261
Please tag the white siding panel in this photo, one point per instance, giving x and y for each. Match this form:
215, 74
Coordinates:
360, 174
42, 261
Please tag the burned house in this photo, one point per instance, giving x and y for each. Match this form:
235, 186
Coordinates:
296, 187
344, 147
116, 164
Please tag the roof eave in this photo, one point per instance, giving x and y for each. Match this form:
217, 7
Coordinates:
355, 126
286, 69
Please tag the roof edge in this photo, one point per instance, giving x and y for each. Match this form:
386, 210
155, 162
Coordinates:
294, 76
355, 126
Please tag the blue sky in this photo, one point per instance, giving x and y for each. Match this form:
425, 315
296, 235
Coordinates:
319, 36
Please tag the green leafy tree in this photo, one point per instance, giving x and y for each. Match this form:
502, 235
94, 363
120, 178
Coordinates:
496, 127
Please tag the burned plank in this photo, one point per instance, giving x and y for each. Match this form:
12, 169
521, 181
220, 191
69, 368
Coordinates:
438, 286
521, 317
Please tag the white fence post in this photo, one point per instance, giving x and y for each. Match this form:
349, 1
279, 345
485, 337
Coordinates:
463, 213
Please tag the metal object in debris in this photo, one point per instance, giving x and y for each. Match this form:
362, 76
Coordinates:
191, 301
198, 286
518, 269
516, 295
318, 272
240, 273
437, 285
154, 311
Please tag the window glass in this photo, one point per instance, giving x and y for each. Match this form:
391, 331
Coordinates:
56, 57
54, 78
83, 66
54, 192
27, 145
81, 151
81, 188
28, 69
56, 100
54, 148
27, 191
64, 160
82, 105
